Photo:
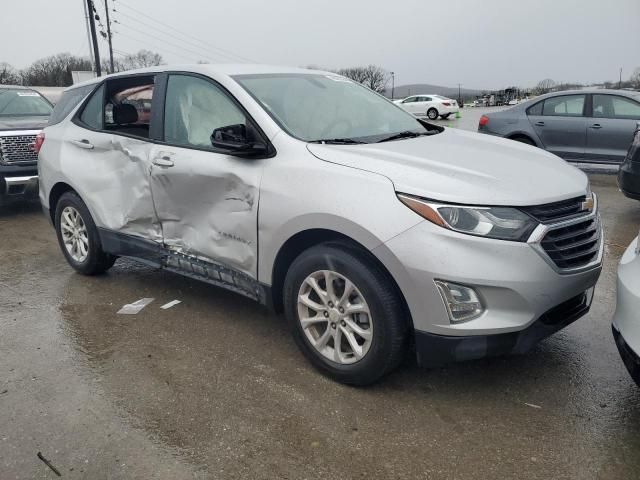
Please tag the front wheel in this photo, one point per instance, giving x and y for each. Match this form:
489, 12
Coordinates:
345, 314
78, 236
432, 114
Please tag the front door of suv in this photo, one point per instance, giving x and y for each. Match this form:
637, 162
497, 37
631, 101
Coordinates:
207, 201
561, 125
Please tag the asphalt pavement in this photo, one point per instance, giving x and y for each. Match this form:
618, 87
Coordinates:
214, 387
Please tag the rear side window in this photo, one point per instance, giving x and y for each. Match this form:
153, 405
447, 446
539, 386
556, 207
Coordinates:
69, 100
564, 106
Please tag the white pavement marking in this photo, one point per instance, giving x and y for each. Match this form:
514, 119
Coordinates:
135, 307
170, 304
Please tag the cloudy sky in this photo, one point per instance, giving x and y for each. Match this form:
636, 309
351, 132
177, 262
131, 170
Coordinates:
479, 43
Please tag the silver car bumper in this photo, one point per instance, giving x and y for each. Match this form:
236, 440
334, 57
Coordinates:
626, 320
19, 186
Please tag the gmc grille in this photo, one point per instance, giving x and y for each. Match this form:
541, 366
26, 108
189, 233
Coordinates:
17, 149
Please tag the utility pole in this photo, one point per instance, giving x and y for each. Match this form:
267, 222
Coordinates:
106, 9
393, 84
620, 81
459, 96
94, 38
86, 17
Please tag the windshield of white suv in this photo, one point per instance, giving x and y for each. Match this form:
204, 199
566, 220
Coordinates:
330, 109
23, 103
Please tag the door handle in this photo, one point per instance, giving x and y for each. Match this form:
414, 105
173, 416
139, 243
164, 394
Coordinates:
596, 126
540, 124
84, 143
164, 161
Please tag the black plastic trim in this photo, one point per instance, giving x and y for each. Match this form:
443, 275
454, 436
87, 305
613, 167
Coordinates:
630, 359
437, 350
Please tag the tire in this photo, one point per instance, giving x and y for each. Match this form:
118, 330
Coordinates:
445, 116
523, 139
432, 114
386, 324
95, 261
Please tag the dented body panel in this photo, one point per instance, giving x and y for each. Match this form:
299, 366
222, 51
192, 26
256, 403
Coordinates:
207, 205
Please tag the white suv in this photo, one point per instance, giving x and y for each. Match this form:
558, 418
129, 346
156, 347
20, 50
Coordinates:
374, 231
430, 106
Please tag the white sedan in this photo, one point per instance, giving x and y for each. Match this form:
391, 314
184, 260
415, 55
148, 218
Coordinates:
430, 106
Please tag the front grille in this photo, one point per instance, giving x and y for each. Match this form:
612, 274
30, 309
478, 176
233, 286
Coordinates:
17, 149
557, 211
575, 245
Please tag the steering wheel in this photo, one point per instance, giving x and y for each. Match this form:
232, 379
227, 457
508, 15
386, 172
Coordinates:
338, 122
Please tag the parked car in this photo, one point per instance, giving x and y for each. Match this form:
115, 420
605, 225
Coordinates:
629, 173
371, 229
430, 106
23, 114
577, 125
626, 321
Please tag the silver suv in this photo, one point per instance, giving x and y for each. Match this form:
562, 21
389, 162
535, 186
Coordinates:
375, 232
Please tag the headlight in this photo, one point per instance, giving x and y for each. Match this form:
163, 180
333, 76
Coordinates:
503, 223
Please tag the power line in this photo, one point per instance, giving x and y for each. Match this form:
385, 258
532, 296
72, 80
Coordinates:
143, 42
191, 44
158, 38
166, 25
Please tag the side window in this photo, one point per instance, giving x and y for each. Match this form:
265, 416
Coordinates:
127, 108
194, 108
564, 106
535, 109
69, 100
613, 106
410, 100
426, 99
92, 114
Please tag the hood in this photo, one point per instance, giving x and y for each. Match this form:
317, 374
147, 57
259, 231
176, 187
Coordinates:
463, 167
23, 123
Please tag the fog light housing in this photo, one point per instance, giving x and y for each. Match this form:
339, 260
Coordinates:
462, 303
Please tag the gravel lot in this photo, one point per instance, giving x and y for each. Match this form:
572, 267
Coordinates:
215, 387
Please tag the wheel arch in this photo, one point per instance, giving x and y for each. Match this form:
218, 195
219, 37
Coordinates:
528, 136
309, 238
55, 193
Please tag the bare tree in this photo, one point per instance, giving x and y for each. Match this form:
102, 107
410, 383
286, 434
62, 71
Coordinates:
54, 71
9, 75
371, 76
144, 58
545, 86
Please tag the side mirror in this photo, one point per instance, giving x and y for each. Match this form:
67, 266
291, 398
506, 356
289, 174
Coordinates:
238, 140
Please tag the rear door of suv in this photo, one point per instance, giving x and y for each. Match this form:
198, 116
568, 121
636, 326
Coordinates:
105, 156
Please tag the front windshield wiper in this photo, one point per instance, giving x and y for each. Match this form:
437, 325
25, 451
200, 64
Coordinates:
337, 141
405, 134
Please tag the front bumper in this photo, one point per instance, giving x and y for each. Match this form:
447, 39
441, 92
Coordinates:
436, 350
18, 182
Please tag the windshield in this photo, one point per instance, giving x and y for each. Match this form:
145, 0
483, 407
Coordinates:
23, 103
316, 107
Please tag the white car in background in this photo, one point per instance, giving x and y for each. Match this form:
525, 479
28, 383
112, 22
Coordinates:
430, 106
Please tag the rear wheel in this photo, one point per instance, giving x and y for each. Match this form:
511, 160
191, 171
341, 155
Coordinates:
345, 314
432, 114
78, 236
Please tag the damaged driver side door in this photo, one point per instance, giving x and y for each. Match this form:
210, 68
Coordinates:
206, 200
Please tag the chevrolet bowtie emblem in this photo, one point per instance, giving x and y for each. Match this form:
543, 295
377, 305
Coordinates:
588, 204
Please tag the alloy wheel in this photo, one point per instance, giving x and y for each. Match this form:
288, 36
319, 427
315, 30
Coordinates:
74, 234
335, 317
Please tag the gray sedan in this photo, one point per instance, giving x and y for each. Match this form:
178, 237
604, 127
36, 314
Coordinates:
577, 125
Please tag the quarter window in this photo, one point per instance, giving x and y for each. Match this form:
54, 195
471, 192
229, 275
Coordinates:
613, 106
564, 106
92, 113
535, 109
194, 109
69, 100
